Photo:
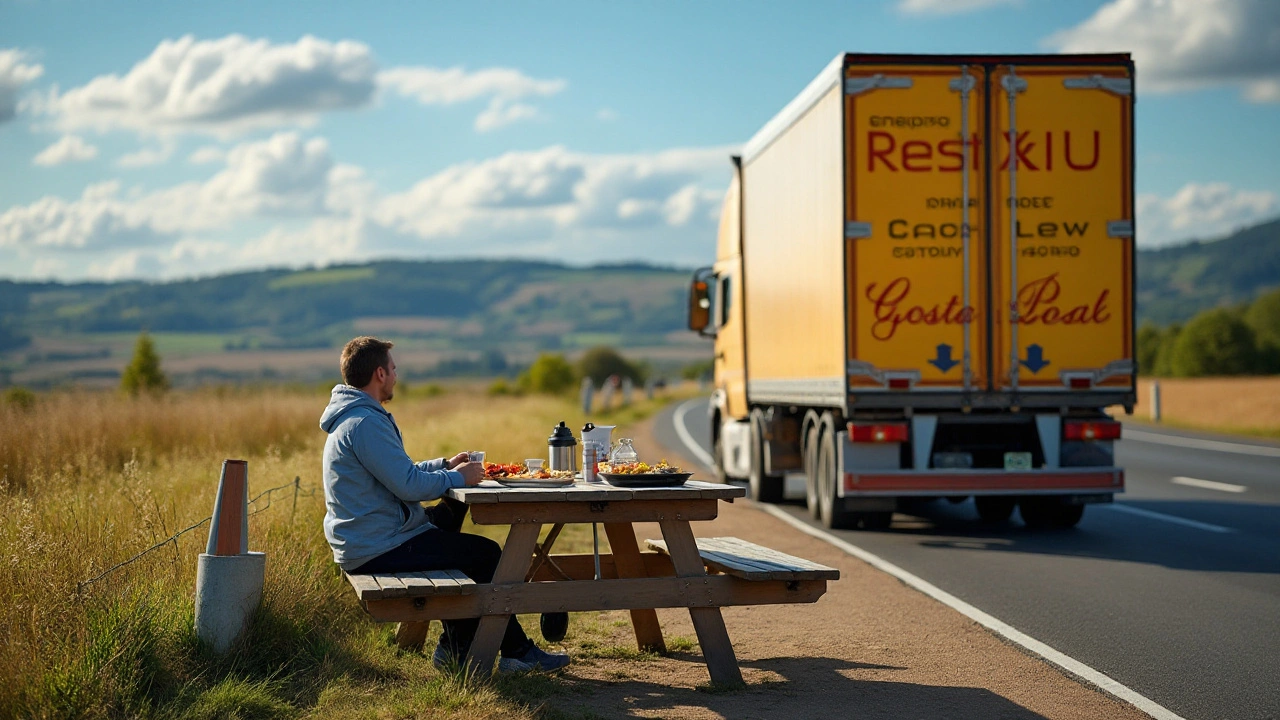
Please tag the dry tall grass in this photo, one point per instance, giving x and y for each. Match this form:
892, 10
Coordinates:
1246, 405
91, 479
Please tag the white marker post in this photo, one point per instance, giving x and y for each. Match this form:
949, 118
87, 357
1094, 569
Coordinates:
228, 577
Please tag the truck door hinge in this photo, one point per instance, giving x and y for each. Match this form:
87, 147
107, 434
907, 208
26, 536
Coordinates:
854, 230
1119, 228
1115, 85
1013, 84
859, 85
962, 84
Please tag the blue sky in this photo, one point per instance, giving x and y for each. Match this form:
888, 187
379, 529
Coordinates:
167, 140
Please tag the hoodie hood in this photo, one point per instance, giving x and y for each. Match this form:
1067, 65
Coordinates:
342, 400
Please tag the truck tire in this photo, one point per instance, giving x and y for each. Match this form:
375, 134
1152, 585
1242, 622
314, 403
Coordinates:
830, 511
717, 451
1049, 513
995, 509
763, 488
812, 435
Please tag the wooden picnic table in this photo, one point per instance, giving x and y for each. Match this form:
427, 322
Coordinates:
529, 579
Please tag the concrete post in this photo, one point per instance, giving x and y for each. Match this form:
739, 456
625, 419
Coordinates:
585, 394
1155, 401
229, 578
627, 388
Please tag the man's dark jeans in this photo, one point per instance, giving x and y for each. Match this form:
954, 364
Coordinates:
444, 548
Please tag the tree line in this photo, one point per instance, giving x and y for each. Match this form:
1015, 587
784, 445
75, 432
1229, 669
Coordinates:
1238, 340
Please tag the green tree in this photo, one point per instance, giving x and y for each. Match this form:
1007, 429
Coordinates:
1150, 339
1164, 354
600, 362
1263, 316
143, 374
550, 374
1215, 342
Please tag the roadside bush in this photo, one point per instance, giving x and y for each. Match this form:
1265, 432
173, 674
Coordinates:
19, 398
600, 362
1215, 342
143, 374
550, 374
1263, 316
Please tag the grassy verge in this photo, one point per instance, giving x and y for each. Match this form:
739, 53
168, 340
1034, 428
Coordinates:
1248, 406
91, 479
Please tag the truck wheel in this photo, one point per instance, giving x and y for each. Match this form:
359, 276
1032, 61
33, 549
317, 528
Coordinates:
1049, 513
995, 509
717, 453
763, 488
811, 494
829, 510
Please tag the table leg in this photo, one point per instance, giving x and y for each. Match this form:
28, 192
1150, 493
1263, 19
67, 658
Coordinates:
412, 635
722, 663
517, 555
626, 557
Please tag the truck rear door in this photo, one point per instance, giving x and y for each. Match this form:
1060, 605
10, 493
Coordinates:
937, 206
1062, 231
917, 258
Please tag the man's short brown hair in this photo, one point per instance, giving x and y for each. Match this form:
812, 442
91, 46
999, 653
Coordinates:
362, 357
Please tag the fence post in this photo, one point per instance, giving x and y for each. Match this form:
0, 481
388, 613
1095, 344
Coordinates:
296, 481
1155, 401
229, 576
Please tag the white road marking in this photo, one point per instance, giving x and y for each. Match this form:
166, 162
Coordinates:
1208, 484
1048, 654
1151, 515
1200, 443
686, 438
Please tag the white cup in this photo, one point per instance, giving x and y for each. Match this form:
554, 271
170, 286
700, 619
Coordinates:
476, 456
534, 464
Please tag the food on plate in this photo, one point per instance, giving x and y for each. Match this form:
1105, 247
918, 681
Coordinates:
518, 471
638, 468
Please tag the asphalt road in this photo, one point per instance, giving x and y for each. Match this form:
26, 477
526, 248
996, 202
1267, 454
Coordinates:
1174, 590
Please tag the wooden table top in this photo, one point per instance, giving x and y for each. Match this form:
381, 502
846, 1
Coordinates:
491, 492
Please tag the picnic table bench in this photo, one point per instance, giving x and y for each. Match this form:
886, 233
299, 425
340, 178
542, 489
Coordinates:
677, 571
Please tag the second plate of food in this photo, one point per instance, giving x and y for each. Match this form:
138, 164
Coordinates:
642, 480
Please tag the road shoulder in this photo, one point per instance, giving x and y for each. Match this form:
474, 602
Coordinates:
871, 647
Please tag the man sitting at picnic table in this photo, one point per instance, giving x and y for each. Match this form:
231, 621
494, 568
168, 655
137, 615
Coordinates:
374, 519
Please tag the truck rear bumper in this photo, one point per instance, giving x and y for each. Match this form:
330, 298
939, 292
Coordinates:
1065, 481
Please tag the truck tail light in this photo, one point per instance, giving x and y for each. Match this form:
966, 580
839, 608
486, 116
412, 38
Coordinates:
1093, 430
1080, 383
878, 432
899, 383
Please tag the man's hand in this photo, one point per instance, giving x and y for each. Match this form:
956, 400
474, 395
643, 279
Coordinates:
472, 473
457, 460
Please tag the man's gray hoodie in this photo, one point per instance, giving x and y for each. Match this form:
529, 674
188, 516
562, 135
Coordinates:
372, 489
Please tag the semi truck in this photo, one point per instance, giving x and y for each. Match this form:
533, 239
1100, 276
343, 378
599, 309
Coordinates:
924, 288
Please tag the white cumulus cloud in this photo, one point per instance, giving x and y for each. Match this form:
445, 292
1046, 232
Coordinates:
1201, 212
1188, 44
222, 86
504, 87
146, 157
68, 148
97, 220
15, 72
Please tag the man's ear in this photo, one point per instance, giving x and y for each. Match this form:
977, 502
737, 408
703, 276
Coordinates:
380, 374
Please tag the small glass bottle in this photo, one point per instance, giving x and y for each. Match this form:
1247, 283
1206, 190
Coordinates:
624, 452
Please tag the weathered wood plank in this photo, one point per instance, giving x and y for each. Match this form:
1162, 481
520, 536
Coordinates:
391, 585
517, 555
465, 584
587, 595
417, 583
740, 558
365, 586
585, 512
708, 623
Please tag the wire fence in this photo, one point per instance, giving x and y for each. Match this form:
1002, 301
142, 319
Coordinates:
297, 492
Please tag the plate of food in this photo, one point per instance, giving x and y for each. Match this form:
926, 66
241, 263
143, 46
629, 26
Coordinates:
639, 474
519, 475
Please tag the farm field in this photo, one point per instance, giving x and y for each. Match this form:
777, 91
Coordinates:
90, 479
1234, 405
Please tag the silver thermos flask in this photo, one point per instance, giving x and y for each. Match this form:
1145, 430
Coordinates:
562, 449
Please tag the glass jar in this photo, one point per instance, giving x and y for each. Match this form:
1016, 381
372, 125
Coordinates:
624, 452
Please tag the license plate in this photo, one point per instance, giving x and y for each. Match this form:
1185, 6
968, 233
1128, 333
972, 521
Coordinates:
1017, 461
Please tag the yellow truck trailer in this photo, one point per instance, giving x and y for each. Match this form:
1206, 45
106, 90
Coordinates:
923, 287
